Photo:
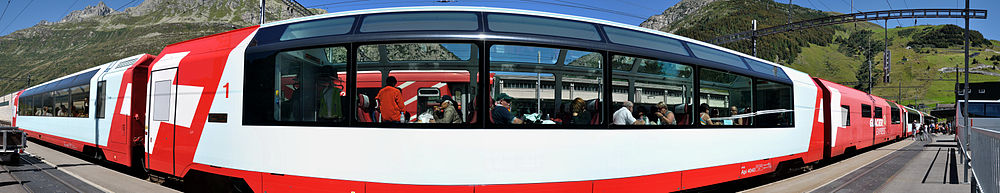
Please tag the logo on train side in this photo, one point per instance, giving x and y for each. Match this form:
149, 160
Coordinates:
757, 168
878, 124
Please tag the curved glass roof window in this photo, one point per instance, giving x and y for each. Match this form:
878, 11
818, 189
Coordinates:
542, 26
644, 40
765, 68
717, 56
332, 26
429, 21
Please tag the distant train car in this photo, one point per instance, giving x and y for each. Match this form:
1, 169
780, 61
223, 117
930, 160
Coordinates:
7, 108
84, 111
306, 105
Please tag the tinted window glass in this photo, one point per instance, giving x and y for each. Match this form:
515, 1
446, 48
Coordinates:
542, 26
866, 111
660, 93
309, 85
420, 83
101, 93
765, 68
720, 93
541, 93
894, 115
80, 101
420, 22
332, 26
878, 112
644, 40
992, 110
717, 56
773, 103
25, 106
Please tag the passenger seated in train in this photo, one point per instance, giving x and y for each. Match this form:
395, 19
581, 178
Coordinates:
580, 114
624, 115
390, 101
733, 111
501, 112
448, 113
704, 118
663, 115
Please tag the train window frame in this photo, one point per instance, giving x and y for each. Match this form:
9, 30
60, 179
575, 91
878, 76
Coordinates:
261, 90
489, 26
362, 22
866, 110
311, 26
99, 108
609, 31
753, 87
478, 95
878, 112
846, 114
717, 56
487, 54
613, 106
895, 115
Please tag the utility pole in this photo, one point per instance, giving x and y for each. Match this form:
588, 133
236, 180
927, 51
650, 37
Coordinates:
262, 12
754, 37
789, 11
965, 89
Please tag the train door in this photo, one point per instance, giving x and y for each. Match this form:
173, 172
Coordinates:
161, 119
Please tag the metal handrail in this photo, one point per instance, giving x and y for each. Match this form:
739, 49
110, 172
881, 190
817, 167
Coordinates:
984, 143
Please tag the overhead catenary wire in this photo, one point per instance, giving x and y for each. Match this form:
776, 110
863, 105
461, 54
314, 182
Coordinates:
126, 4
16, 16
4, 10
69, 8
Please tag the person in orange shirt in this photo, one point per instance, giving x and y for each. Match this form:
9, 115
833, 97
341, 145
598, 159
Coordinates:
390, 101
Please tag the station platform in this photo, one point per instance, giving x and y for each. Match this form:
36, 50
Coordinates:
904, 166
43, 169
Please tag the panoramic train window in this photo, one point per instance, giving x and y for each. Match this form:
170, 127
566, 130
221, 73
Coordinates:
101, 95
417, 82
894, 115
542, 26
725, 99
463, 21
878, 112
845, 114
765, 68
62, 102
24, 106
324, 27
46, 104
773, 104
660, 92
538, 85
644, 40
309, 85
866, 111
719, 56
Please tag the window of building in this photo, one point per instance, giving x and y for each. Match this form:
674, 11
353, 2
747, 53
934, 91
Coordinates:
417, 82
101, 95
310, 85
845, 114
429, 21
878, 112
574, 98
866, 111
720, 92
773, 104
542, 26
661, 93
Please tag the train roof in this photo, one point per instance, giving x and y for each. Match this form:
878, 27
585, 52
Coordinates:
78, 78
751, 59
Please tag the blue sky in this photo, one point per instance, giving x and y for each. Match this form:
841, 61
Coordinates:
20, 14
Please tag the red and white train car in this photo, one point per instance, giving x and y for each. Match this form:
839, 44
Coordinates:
285, 107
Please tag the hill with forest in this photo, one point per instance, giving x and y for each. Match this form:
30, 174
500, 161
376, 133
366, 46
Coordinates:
98, 34
920, 55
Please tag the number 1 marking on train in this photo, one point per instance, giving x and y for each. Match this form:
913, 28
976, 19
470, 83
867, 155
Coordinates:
227, 89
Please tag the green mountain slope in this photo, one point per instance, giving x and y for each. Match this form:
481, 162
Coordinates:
98, 34
838, 52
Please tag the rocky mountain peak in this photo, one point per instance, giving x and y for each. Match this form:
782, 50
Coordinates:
674, 13
90, 11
